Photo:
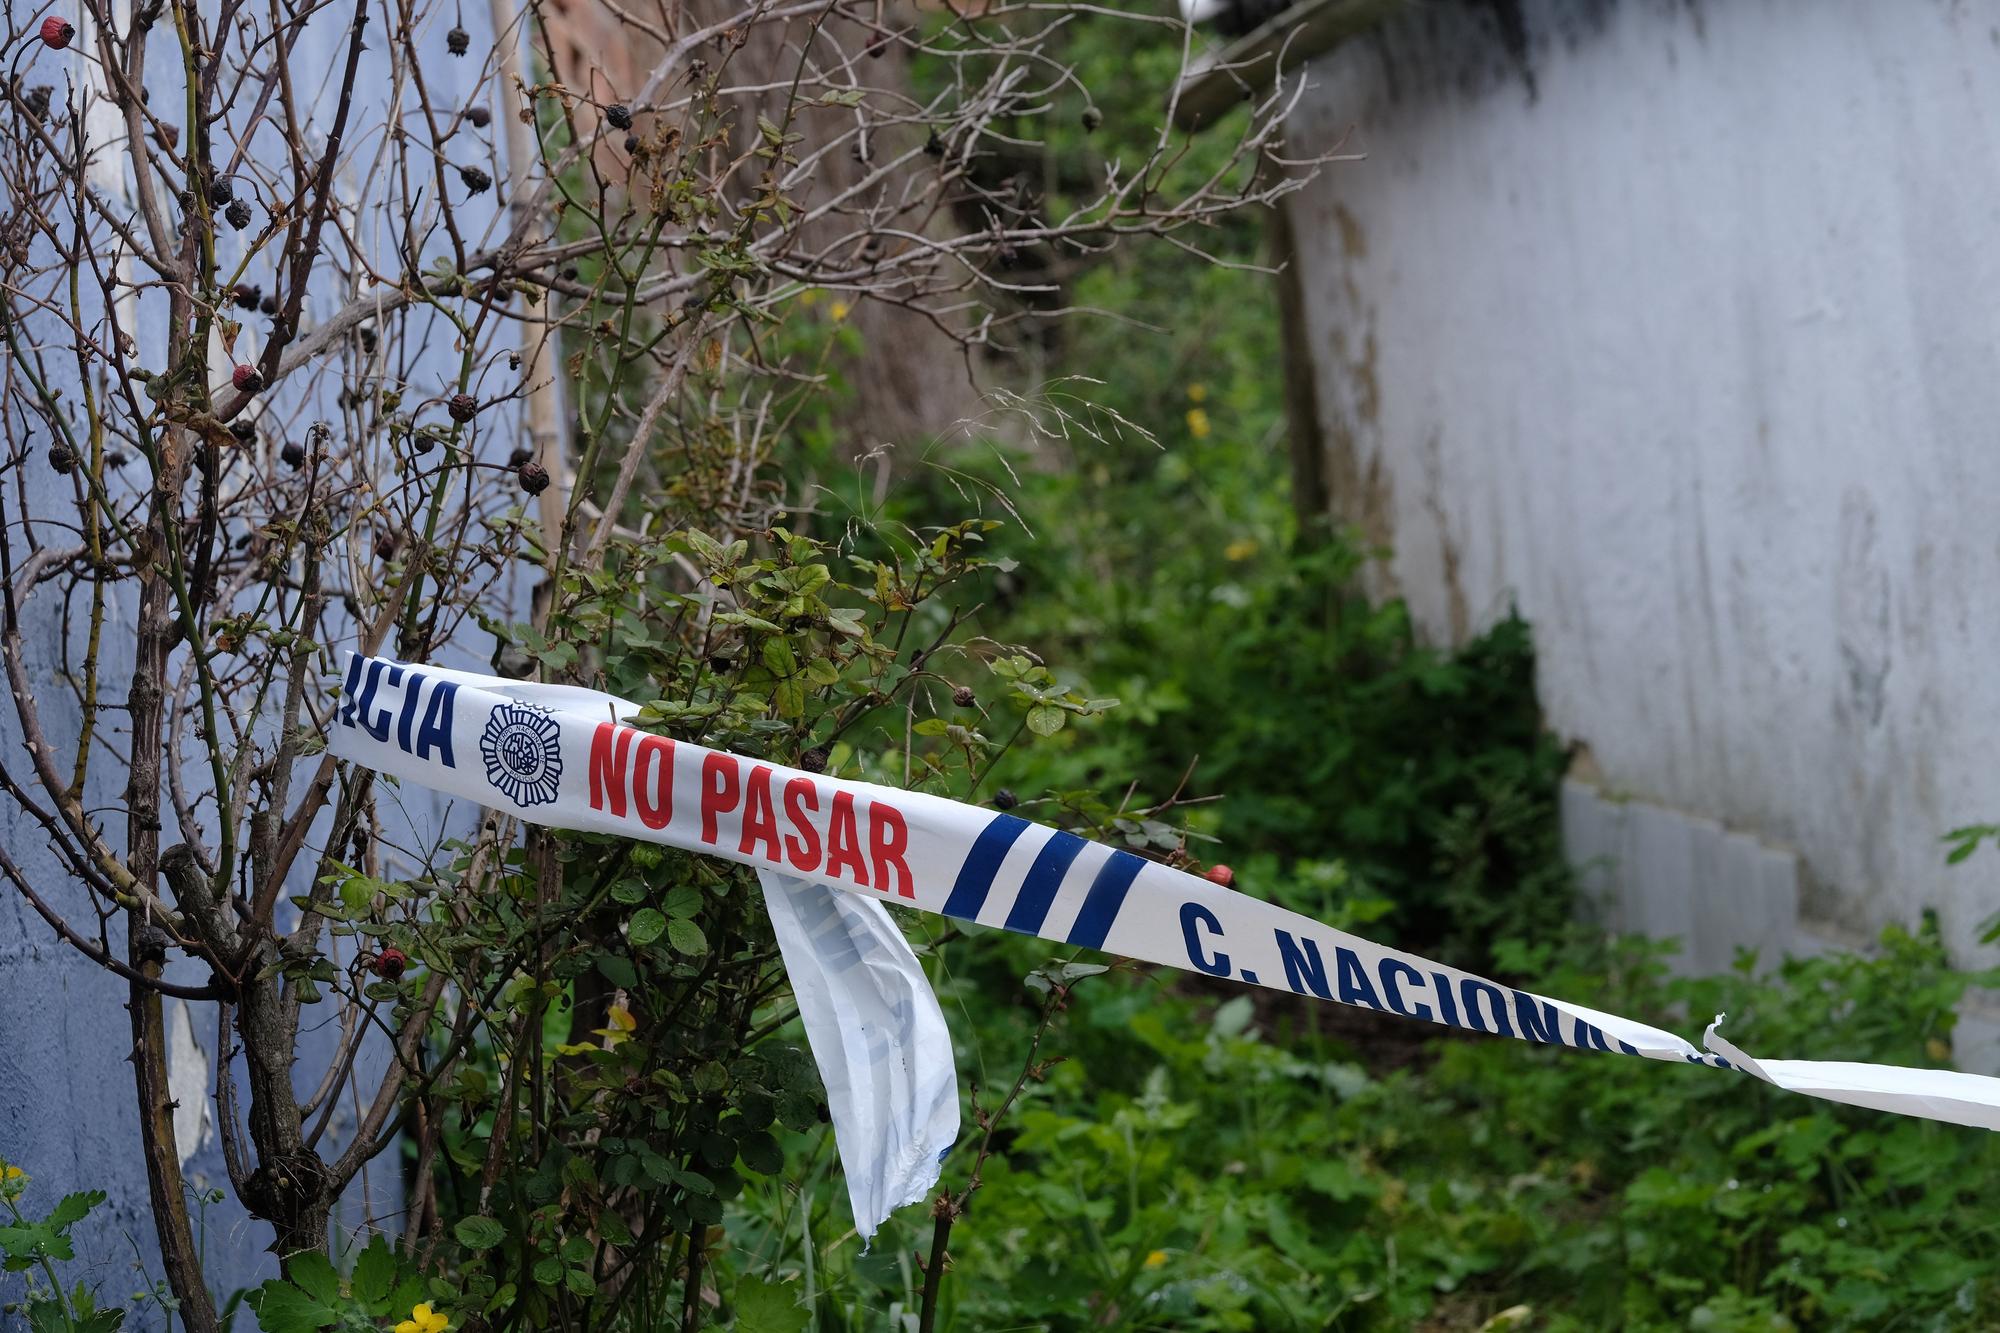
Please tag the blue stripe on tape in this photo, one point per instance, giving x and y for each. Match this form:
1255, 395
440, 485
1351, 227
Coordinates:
975, 877
1106, 896
1038, 891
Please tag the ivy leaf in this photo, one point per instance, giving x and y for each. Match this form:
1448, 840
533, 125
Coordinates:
479, 1233
686, 937
648, 924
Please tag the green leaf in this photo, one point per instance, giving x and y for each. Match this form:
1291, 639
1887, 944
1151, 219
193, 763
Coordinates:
314, 1273
283, 1308
73, 1208
779, 657
761, 1153
23, 1243
686, 937
580, 1282
763, 1306
375, 1275
647, 925
1045, 720
479, 1233
682, 900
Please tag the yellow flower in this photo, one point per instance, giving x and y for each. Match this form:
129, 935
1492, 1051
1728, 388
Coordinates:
423, 1319
1197, 393
1240, 549
809, 297
838, 310
12, 1172
1197, 421
1156, 1258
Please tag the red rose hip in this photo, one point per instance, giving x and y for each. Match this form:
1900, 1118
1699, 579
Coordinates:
57, 32
1220, 874
246, 378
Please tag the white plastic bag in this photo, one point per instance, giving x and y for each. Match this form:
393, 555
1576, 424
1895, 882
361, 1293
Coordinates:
879, 1039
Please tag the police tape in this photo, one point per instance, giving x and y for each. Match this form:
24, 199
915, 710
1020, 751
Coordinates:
562, 756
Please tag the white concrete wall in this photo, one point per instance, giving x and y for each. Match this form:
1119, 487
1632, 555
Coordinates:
1681, 331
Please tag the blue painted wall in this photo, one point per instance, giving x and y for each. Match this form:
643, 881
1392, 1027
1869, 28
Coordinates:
66, 1090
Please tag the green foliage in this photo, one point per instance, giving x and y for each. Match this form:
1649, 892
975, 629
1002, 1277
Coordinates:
1209, 1160
382, 1287
33, 1246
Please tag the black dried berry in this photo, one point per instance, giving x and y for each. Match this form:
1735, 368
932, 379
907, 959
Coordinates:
244, 429
1005, 799
220, 191
385, 546
632, 143
238, 214
534, 478
293, 453
269, 305
246, 296
475, 180
521, 457
1092, 118
813, 760
458, 41
462, 407
478, 117
964, 697
619, 115
61, 459
568, 272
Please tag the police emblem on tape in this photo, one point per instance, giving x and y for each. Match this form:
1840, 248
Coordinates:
521, 753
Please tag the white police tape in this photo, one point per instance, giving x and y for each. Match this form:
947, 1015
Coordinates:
564, 760
873, 1022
